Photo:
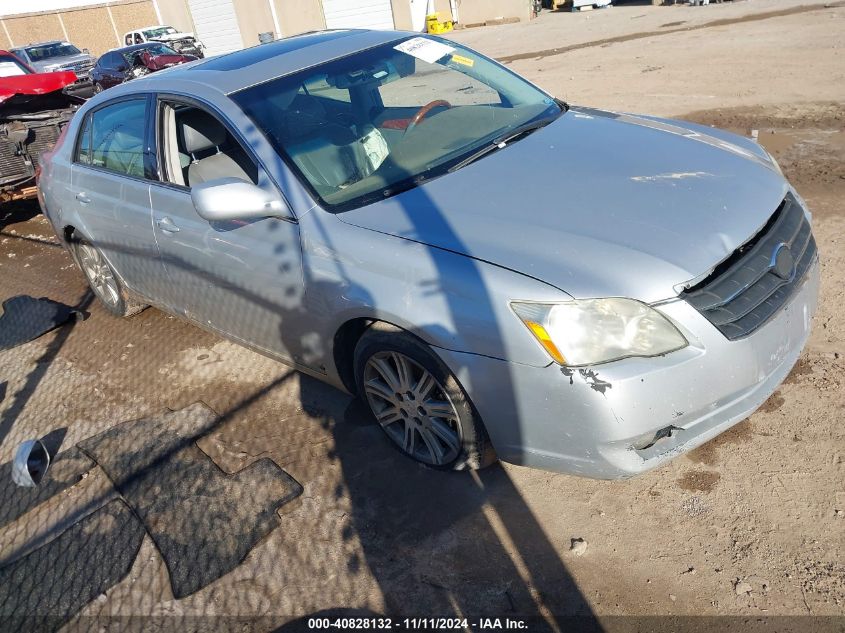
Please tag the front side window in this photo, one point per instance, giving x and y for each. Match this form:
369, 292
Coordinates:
113, 138
381, 121
10, 66
196, 147
49, 51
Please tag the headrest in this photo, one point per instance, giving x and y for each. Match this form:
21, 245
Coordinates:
201, 131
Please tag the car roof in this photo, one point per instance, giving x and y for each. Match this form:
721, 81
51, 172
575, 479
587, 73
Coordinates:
264, 62
47, 43
134, 47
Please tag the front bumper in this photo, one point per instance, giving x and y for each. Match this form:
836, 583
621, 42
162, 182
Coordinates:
587, 422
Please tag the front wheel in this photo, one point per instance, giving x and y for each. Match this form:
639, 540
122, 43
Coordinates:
418, 402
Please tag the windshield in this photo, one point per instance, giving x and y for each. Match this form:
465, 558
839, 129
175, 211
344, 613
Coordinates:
158, 32
11, 67
153, 49
381, 121
49, 51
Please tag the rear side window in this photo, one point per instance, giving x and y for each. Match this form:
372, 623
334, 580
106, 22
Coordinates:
112, 138
83, 148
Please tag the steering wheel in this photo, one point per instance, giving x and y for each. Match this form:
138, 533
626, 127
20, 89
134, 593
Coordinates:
423, 112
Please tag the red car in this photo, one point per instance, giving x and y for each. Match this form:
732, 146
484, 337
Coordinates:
131, 62
34, 109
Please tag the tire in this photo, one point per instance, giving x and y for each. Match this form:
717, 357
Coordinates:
417, 415
105, 284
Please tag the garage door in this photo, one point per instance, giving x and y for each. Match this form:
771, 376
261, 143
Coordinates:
358, 14
216, 25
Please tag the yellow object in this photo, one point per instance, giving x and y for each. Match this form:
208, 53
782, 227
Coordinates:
465, 61
434, 25
546, 341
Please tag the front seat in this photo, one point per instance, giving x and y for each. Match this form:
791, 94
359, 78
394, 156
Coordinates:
214, 154
328, 153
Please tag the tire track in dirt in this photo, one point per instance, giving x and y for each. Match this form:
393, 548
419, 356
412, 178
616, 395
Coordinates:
549, 52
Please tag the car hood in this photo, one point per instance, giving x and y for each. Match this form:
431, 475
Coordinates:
23, 87
68, 60
597, 204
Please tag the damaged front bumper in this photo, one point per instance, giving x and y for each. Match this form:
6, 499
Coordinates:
622, 418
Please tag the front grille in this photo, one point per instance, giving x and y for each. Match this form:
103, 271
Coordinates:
750, 287
79, 67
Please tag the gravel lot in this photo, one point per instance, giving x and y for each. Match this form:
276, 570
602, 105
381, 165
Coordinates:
751, 524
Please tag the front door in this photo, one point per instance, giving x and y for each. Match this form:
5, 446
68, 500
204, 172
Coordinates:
112, 191
243, 279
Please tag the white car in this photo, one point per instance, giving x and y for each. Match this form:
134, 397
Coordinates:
183, 43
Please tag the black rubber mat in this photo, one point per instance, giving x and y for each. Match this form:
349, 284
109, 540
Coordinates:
203, 520
26, 318
45, 589
65, 470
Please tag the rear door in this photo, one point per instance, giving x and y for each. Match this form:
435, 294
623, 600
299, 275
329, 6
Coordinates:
113, 165
112, 74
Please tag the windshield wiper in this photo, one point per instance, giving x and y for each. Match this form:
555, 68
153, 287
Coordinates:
502, 141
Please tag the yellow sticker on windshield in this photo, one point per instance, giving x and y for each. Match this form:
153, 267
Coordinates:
460, 59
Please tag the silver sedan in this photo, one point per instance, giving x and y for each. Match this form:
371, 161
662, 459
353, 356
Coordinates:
494, 271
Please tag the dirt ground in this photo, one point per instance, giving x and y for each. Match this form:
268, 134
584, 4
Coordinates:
751, 524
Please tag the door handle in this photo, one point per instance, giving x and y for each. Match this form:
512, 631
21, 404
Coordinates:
166, 225
83, 198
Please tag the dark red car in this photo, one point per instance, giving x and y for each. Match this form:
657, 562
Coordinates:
34, 108
131, 62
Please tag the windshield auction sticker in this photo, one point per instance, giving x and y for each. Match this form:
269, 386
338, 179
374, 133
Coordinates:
424, 49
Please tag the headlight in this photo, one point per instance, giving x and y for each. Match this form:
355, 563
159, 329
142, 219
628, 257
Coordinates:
592, 331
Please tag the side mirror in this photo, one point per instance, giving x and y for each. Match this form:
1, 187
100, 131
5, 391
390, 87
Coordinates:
86, 51
228, 199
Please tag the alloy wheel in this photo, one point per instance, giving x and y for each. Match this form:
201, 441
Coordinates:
99, 274
412, 407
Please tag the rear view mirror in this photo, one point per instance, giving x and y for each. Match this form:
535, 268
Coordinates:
227, 199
